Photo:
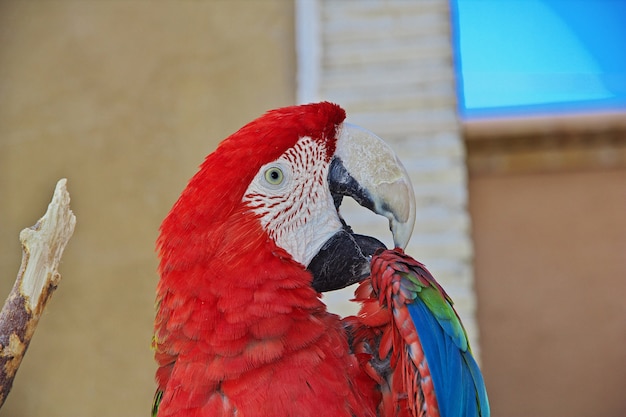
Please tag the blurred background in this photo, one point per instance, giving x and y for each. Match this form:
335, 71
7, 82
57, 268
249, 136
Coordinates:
510, 117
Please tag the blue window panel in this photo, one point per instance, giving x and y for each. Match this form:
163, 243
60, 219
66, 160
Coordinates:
520, 57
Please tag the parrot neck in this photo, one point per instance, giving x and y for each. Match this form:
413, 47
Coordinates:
240, 330
246, 330
241, 297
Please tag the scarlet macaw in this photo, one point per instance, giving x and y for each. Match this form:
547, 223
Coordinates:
254, 238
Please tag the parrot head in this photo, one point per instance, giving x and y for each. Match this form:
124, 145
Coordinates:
277, 183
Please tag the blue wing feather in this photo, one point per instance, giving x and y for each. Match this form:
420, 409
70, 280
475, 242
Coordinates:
455, 374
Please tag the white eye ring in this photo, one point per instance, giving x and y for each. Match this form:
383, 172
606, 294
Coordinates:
274, 175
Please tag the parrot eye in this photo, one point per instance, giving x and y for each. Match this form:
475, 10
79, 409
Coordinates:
274, 176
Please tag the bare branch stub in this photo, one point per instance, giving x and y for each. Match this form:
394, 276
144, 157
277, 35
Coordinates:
42, 247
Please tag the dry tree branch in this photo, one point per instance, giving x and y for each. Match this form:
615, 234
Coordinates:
42, 247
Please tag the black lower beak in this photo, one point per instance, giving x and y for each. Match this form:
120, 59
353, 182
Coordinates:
342, 261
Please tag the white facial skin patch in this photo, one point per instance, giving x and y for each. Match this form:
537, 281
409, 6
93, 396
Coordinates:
293, 201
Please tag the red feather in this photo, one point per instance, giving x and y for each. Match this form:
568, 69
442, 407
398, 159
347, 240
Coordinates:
383, 322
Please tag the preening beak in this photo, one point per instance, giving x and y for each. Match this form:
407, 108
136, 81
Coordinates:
368, 170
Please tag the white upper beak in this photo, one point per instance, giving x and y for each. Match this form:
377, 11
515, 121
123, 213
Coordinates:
385, 187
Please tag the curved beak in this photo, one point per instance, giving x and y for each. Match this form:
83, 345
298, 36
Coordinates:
368, 170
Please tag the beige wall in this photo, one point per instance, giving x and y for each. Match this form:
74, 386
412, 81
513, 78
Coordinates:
551, 278
548, 205
124, 99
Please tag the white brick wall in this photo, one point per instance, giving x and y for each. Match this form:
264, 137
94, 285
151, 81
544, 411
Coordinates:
389, 64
